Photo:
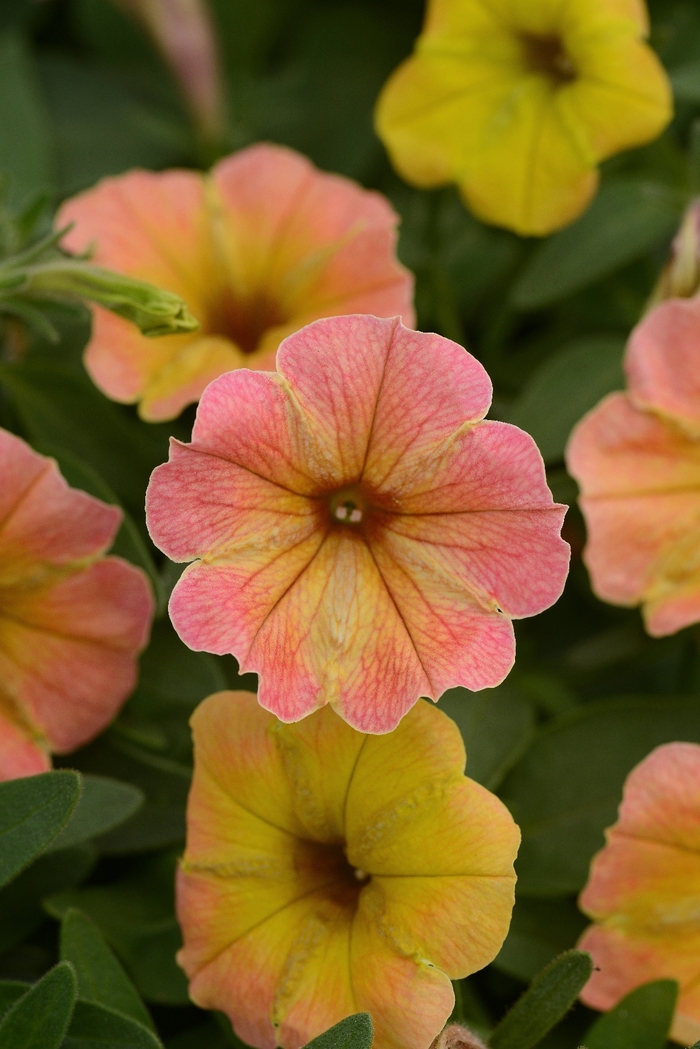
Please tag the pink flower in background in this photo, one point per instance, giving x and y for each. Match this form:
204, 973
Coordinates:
361, 536
258, 248
644, 889
636, 458
328, 873
72, 621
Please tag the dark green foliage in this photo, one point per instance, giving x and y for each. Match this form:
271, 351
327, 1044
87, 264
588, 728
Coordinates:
548, 998
101, 979
640, 1021
40, 1018
32, 812
354, 1032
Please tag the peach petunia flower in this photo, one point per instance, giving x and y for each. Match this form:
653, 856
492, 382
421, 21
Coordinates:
363, 537
644, 889
72, 621
636, 458
257, 249
517, 101
328, 872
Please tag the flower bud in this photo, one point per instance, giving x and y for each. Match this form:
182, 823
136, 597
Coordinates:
680, 277
455, 1036
153, 310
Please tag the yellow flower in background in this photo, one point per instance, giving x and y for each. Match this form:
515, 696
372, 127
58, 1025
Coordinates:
518, 100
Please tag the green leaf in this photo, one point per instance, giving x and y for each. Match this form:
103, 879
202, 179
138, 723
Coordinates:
354, 1032
25, 144
101, 978
94, 1027
539, 931
496, 725
137, 918
10, 991
165, 783
21, 911
625, 220
103, 805
40, 1018
546, 1001
564, 388
32, 812
566, 788
641, 1020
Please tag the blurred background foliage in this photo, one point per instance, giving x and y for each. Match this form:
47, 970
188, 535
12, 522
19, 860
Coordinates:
84, 93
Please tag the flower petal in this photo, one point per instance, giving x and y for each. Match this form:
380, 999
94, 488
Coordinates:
661, 800
324, 244
45, 522
377, 394
68, 651
640, 483
184, 374
455, 828
317, 625
237, 760
432, 917
319, 755
408, 998
661, 362
20, 755
224, 510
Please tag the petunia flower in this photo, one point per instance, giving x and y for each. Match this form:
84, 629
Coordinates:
362, 536
636, 458
258, 248
328, 872
517, 101
72, 621
644, 889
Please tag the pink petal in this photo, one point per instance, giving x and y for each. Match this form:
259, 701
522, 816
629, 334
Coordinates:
639, 480
662, 361
484, 516
377, 394
316, 624
20, 755
662, 797
44, 520
68, 653
321, 243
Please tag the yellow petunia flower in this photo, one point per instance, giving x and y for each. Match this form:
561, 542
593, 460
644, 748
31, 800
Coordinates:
518, 100
329, 872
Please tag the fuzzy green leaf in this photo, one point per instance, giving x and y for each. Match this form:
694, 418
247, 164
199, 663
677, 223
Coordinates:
32, 812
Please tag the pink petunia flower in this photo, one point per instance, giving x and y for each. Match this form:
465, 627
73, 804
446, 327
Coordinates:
72, 621
257, 249
636, 458
644, 889
361, 536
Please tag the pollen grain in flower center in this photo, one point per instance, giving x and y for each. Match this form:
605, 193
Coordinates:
547, 54
348, 506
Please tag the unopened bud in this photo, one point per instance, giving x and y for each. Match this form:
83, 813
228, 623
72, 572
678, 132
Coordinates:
680, 277
456, 1036
153, 310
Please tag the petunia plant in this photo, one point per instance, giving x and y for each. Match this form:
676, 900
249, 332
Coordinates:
349, 429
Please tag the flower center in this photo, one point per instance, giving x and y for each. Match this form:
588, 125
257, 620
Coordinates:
245, 321
348, 506
547, 54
